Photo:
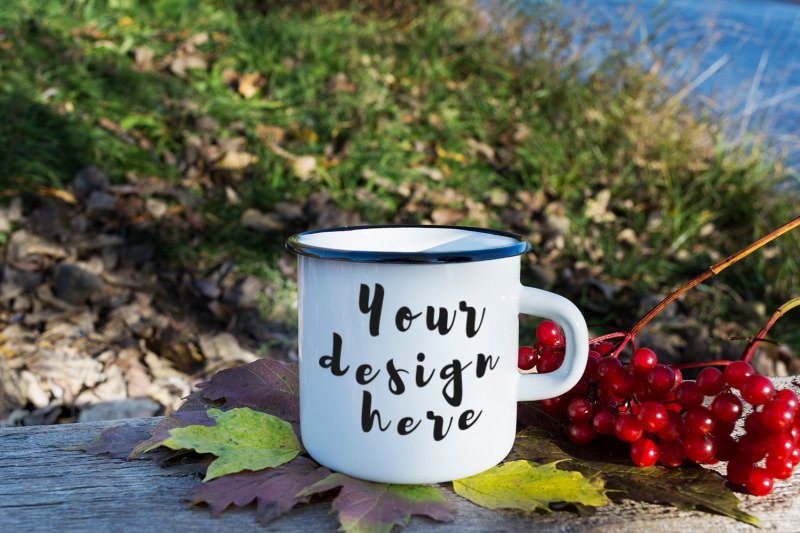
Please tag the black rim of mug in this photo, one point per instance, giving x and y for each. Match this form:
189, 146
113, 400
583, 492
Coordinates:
519, 247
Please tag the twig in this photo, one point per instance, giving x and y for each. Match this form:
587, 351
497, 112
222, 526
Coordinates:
779, 312
712, 271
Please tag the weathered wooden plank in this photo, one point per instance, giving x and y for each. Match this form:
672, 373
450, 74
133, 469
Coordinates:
43, 487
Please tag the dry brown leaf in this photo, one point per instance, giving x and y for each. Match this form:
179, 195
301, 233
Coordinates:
249, 84
194, 41
432, 173
270, 133
230, 76
66, 364
224, 347
254, 219
235, 161
181, 64
447, 216
11, 394
342, 83
142, 58
111, 388
628, 236
31, 387
482, 150
304, 166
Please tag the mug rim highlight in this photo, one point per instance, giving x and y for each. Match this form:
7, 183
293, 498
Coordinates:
517, 246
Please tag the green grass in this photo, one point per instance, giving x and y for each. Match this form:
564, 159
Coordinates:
420, 91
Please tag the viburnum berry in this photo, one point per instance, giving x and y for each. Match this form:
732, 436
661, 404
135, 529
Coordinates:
674, 429
670, 453
777, 415
603, 422
581, 433
736, 372
758, 481
661, 379
699, 448
642, 361
628, 429
555, 406
688, 394
726, 407
699, 420
623, 386
604, 348
548, 332
795, 456
726, 447
590, 372
579, 390
710, 381
526, 358
548, 362
779, 467
580, 410
645, 394
609, 368
750, 448
652, 416
778, 444
757, 389
788, 396
737, 470
754, 425
794, 431
644, 452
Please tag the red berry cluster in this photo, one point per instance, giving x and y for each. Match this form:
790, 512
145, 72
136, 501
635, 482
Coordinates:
670, 421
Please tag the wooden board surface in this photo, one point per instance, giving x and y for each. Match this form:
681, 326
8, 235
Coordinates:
44, 488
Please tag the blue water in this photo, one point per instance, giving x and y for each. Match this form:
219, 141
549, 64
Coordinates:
740, 58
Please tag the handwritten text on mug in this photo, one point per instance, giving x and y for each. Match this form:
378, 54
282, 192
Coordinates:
452, 373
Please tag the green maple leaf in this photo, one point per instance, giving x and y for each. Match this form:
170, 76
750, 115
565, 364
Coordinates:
529, 487
367, 507
242, 439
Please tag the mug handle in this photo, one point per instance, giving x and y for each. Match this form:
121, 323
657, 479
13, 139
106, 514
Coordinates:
557, 308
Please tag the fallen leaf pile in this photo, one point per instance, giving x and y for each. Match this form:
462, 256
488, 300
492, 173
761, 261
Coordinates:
93, 327
254, 454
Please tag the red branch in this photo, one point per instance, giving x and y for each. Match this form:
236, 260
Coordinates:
712, 271
754, 342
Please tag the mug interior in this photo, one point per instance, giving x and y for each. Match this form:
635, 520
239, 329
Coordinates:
427, 244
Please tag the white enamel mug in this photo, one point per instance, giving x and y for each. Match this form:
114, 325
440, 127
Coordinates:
408, 339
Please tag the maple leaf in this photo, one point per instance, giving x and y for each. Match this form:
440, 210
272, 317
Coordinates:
118, 442
265, 385
367, 507
242, 439
275, 490
527, 486
685, 488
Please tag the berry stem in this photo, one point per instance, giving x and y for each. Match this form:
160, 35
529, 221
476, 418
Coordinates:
607, 337
779, 312
699, 364
712, 271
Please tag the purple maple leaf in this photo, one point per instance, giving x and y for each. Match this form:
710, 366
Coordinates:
118, 442
367, 506
265, 385
275, 490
